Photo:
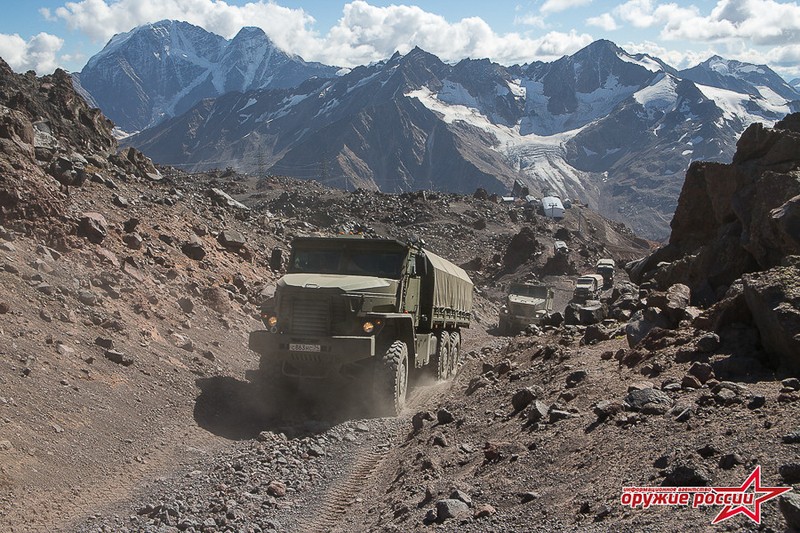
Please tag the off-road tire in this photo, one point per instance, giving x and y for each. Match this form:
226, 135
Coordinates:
390, 382
442, 355
503, 326
455, 353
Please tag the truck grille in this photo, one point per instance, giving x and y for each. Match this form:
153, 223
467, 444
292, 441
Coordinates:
311, 317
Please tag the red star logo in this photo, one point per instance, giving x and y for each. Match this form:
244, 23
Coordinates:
753, 479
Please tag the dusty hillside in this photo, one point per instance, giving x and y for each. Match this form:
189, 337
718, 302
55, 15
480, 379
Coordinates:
129, 292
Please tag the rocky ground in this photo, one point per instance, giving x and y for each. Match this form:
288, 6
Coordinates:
128, 293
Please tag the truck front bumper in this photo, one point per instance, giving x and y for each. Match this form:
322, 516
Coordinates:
311, 357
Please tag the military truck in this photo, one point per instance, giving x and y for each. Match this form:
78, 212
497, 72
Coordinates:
588, 287
364, 310
605, 267
526, 303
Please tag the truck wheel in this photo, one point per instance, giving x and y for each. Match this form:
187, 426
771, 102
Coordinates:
455, 352
502, 326
391, 380
442, 355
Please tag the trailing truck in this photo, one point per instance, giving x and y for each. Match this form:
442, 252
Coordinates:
588, 287
366, 311
605, 267
526, 303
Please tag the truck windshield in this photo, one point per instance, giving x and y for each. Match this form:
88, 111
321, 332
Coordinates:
384, 264
529, 290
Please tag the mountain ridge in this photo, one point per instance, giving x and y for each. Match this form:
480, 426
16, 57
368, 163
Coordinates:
613, 129
162, 69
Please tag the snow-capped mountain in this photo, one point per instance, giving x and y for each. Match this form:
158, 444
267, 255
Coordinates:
757, 80
612, 129
161, 70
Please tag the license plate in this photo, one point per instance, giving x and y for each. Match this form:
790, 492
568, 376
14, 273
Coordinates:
304, 348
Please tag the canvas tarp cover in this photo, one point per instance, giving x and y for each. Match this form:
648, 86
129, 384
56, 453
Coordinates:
452, 288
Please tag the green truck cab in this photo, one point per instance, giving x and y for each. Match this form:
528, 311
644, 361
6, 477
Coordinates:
364, 309
526, 303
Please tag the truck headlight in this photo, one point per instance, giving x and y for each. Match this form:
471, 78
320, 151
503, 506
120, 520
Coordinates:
272, 321
368, 327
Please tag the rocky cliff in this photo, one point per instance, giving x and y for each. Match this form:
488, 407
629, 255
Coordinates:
51, 140
736, 237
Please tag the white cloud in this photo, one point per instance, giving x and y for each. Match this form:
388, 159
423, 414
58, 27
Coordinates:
102, 19
556, 6
754, 31
605, 21
368, 33
365, 33
760, 22
39, 53
680, 59
783, 60
638, 13
530, 20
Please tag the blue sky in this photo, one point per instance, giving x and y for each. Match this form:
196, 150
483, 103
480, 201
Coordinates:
45, 34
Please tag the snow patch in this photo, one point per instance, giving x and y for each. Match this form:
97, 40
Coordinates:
738, 106
516, 88
645, 62
250, 102
660, 96
542, 158
456, 94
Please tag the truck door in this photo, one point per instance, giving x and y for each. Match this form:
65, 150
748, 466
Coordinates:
412, 298
410, 292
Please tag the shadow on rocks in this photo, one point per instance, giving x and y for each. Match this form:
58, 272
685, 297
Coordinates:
232, 409
240, 410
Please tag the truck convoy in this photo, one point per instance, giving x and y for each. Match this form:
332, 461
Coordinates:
365, 310
526, 303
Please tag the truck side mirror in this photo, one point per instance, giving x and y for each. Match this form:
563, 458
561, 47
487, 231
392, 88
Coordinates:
421, 265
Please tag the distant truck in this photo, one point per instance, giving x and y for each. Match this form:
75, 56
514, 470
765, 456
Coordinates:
363, 310
560, 247
588, 287
526, 303
605, 267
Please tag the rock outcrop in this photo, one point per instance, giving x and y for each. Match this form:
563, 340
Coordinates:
736, 218
735, 235
51, 140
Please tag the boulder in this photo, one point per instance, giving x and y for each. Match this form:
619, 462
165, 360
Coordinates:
523, 246
132, 240
443, 416
785, 225
607, 408
702, 371
673, 302
642, 322
649, 401
592, 312
93, 226
194, 249
789, 504
522, 398
451, 508
686, 475
221, 198
232, 240
773, 298
538, 412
